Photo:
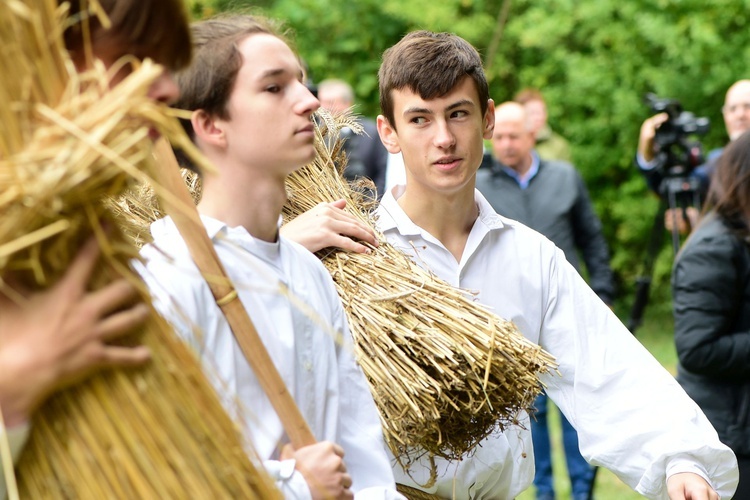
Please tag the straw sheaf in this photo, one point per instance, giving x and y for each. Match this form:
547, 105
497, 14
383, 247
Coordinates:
68, 143
444, 371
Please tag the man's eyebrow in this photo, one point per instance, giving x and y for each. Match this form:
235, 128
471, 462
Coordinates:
270, 73
461, 103
426, 111
416, 109
275, 72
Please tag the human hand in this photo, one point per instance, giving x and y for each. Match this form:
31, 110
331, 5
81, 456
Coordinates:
322, 466
689, 486
673, 217
328, 225
648, 132
58, 336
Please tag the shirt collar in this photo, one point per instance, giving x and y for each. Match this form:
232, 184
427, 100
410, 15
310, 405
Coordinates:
392, 216
525, 179
215, 228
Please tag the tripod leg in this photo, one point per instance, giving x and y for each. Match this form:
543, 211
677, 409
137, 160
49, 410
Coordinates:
643, 282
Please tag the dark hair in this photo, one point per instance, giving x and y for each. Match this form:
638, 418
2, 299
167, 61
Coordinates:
431, 65
729, 194
147, 28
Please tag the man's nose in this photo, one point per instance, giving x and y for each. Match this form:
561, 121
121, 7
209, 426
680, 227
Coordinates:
164, 89
444, 137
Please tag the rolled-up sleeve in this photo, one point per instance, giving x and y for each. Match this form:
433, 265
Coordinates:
631, 415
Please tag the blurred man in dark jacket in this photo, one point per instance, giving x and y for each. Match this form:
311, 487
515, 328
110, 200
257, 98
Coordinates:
366, 154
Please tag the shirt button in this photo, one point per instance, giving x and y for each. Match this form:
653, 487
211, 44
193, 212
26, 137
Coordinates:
308, 366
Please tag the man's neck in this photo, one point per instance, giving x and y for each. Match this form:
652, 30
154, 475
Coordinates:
242, 196
522, 167
447, 217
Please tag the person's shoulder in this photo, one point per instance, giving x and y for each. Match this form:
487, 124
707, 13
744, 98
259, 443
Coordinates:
713, 234
512, 229
561, 174
301, 255
166, 245
558, 166
558, 138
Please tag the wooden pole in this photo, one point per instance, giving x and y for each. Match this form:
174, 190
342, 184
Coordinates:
192, 230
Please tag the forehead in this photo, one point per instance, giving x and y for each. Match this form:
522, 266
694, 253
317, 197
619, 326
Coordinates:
534, 106
405, 100
739, 93
509, 125
266, 55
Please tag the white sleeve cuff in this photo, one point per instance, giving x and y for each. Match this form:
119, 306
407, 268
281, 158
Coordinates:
289, 481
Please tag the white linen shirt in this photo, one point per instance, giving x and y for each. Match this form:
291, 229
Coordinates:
631, 416
319, 370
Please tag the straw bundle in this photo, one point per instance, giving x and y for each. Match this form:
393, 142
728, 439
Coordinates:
444, 371
67, 143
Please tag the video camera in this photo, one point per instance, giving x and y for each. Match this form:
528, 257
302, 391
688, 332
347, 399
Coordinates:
676, 155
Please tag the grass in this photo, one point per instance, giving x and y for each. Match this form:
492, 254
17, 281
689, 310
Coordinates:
656, 334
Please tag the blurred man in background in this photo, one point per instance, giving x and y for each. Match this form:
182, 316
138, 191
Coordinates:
366, 154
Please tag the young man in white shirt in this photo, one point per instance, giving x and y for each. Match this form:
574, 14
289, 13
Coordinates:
631, 415
251, 116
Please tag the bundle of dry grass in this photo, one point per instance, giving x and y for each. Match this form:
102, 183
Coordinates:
444, 371
67, 143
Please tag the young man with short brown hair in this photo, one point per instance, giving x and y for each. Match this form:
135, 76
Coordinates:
631, 415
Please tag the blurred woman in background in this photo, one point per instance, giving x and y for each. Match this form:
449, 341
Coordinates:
711, 301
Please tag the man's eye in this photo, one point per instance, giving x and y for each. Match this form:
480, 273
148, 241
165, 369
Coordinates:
419, 120
459, 114
273, 89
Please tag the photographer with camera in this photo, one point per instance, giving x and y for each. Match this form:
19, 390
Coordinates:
672, 164
736, 112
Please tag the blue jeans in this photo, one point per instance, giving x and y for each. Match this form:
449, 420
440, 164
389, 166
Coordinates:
580, 472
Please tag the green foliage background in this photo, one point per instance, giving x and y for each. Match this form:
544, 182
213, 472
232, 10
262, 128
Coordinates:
593, 59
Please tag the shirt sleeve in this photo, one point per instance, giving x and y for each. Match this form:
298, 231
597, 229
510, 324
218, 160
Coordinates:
288, 480
631, 415
17, 437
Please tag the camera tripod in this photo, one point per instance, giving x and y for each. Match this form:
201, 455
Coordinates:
677, 193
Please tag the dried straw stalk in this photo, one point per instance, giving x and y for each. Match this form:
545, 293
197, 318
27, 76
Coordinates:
68, 143
444, 371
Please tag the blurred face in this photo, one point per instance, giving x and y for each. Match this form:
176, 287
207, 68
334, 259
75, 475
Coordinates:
440, 139
109, 49
512, 142
736, 109
333, 101
536, 111
270, 108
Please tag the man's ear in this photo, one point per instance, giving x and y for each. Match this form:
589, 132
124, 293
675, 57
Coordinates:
388, 135
489, 120
208, 128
